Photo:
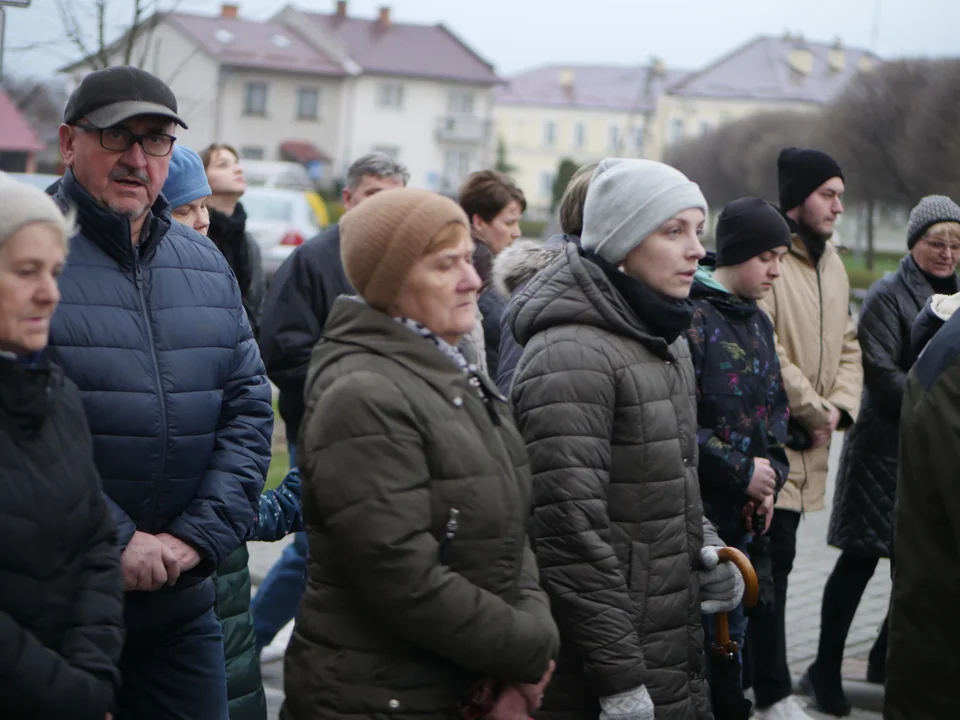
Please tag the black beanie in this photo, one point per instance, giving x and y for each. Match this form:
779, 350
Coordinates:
800, 171
747, 227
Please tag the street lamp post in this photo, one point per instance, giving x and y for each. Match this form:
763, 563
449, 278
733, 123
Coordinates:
11, 3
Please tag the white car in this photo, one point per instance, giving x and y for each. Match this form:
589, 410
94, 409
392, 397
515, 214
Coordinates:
36, 179
280, 221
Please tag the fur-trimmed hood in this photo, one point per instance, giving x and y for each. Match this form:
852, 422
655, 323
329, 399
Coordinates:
524, 259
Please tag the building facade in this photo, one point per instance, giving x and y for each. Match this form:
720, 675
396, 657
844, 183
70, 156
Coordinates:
585, 113
323, 89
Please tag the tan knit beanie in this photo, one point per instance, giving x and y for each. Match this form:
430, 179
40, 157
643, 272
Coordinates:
384, 236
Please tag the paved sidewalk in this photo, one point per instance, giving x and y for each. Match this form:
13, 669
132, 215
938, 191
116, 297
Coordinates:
812, 567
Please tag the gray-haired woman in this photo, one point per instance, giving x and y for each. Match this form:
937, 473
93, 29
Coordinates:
61, 591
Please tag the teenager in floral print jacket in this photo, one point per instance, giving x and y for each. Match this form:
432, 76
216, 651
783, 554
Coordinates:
742, 407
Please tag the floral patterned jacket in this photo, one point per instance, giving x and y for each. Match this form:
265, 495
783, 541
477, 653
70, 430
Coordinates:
742, 407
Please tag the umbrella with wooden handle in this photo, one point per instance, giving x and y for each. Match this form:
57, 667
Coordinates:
726, 690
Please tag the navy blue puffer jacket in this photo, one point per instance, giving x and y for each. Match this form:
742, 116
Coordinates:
176, 396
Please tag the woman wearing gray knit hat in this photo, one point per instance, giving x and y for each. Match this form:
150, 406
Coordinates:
61, 598
605, 399
423, 597
862, 514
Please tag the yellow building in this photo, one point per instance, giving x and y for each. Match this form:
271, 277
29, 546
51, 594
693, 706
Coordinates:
589, 112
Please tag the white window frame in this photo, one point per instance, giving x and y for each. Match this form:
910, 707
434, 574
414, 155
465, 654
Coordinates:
390, 95
262, 90
305, 91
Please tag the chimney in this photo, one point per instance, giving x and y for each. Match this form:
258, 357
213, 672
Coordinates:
341, 8
836, 57
566, 79
229, 10
865, 64
385, 16
656, 76
801, 59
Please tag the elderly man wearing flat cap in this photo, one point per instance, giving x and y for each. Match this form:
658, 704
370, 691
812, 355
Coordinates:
152, 329
820, 364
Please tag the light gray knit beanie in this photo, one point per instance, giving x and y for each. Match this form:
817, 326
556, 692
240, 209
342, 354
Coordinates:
628, 200
22, 204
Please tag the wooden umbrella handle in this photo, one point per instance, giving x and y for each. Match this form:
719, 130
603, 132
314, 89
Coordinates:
751, 589
751, 593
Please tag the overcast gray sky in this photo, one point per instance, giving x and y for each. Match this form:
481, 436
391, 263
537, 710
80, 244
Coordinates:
518, 34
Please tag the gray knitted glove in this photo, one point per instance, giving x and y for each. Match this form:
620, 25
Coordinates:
634, 704
721, 584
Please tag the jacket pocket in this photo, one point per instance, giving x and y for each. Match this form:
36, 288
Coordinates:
638, 580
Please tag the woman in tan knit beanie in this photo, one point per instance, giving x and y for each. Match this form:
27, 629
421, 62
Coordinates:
423, 597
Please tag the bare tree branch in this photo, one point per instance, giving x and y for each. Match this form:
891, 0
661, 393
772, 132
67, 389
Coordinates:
69, 18
133, 31
102, 34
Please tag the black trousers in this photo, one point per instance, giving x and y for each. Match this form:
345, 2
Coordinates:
767, 631
841, 596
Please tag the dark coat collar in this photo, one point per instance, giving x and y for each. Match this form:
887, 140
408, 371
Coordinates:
110, 231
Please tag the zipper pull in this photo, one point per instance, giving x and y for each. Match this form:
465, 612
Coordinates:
449, 531
137, 270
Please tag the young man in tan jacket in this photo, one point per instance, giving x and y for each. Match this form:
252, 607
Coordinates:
820, 363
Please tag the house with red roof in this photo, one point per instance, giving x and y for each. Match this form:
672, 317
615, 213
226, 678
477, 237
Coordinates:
19, 144
325, 88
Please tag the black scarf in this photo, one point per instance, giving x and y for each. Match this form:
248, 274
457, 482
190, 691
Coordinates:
24, 393
815, 244
229, 235
666, 317
941, 286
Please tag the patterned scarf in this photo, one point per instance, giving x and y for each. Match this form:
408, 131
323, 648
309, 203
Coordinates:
426, 333
442, 345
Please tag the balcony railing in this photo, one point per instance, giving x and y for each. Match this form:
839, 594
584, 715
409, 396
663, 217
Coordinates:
463, 129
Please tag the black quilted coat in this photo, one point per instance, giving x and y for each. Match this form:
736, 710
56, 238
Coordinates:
860, 522
61, 591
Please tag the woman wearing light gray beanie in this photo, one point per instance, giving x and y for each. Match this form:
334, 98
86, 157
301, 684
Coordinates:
61, 599
605, 399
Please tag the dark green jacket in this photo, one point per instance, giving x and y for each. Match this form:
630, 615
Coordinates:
394, 438
923, 659
244, 684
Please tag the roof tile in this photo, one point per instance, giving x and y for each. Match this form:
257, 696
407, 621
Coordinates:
428, 51
761, 70
16, 135
600, 87
253, 44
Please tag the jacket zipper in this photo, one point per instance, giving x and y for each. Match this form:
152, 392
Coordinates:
820, 297
138, 280
806, 477
497, 422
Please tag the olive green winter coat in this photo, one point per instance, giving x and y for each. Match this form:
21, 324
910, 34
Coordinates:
244, 683
923, 656
394, 439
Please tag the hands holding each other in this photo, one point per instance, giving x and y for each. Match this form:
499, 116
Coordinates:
517, 702
821, 435
151, 561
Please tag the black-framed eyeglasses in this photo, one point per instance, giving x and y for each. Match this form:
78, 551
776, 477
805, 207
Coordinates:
119, 139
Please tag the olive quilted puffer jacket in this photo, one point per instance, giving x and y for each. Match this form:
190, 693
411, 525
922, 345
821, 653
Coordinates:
608, 412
